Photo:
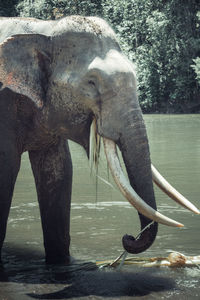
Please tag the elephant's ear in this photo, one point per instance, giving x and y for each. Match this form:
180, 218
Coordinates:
24, 65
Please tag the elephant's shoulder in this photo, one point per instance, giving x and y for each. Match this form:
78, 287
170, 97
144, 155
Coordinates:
17, 25
10, 27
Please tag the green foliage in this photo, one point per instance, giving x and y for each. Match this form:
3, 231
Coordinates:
52, 9
196, 68
196, 65
161, 37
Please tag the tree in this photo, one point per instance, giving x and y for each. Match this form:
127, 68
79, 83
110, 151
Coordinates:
196, 68
165, 40
52, 9
7, 8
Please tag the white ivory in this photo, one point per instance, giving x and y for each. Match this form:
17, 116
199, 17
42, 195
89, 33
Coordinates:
166, 187
128, 191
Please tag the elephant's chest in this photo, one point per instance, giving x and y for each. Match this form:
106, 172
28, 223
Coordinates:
32, 134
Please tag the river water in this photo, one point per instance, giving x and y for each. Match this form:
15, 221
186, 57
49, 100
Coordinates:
100, 217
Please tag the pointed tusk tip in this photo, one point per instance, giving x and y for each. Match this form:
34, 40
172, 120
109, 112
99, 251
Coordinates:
180, 225
195, 210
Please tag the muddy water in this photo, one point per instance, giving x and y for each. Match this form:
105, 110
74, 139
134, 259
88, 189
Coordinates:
100, 217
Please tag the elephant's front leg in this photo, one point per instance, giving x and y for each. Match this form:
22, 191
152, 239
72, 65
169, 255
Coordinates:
52, 169
9, 167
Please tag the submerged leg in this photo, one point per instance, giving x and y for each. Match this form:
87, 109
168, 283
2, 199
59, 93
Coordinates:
9, 167
10, 154
52, 169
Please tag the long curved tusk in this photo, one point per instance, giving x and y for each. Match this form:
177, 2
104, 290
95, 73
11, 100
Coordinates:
166, 187
128, 191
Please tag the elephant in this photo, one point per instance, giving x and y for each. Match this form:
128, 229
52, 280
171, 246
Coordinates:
57, 78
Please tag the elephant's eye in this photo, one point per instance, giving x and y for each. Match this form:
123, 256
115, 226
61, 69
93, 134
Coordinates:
91, 82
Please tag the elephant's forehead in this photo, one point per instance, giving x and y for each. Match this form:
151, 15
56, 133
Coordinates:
82, 24
114, 62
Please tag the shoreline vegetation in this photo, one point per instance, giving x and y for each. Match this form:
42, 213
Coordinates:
161, 38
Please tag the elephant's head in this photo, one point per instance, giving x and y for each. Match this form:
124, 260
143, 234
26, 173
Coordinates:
76, 76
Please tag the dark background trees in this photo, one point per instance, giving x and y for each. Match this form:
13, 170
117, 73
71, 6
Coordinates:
161, 37
8, 8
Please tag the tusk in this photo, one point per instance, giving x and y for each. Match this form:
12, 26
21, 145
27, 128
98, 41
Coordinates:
164, 185
128, 191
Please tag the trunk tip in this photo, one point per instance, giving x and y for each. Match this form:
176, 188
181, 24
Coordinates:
143, 241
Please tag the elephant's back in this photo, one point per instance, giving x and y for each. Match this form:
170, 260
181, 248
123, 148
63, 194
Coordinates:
91, 25
13, 26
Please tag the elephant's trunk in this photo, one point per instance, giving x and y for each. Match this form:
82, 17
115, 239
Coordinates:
135, 153
133, 144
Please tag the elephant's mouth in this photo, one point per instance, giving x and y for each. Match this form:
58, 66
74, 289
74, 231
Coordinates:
132, 196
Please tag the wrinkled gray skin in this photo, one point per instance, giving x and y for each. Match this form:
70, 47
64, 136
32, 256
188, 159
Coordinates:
56, 76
